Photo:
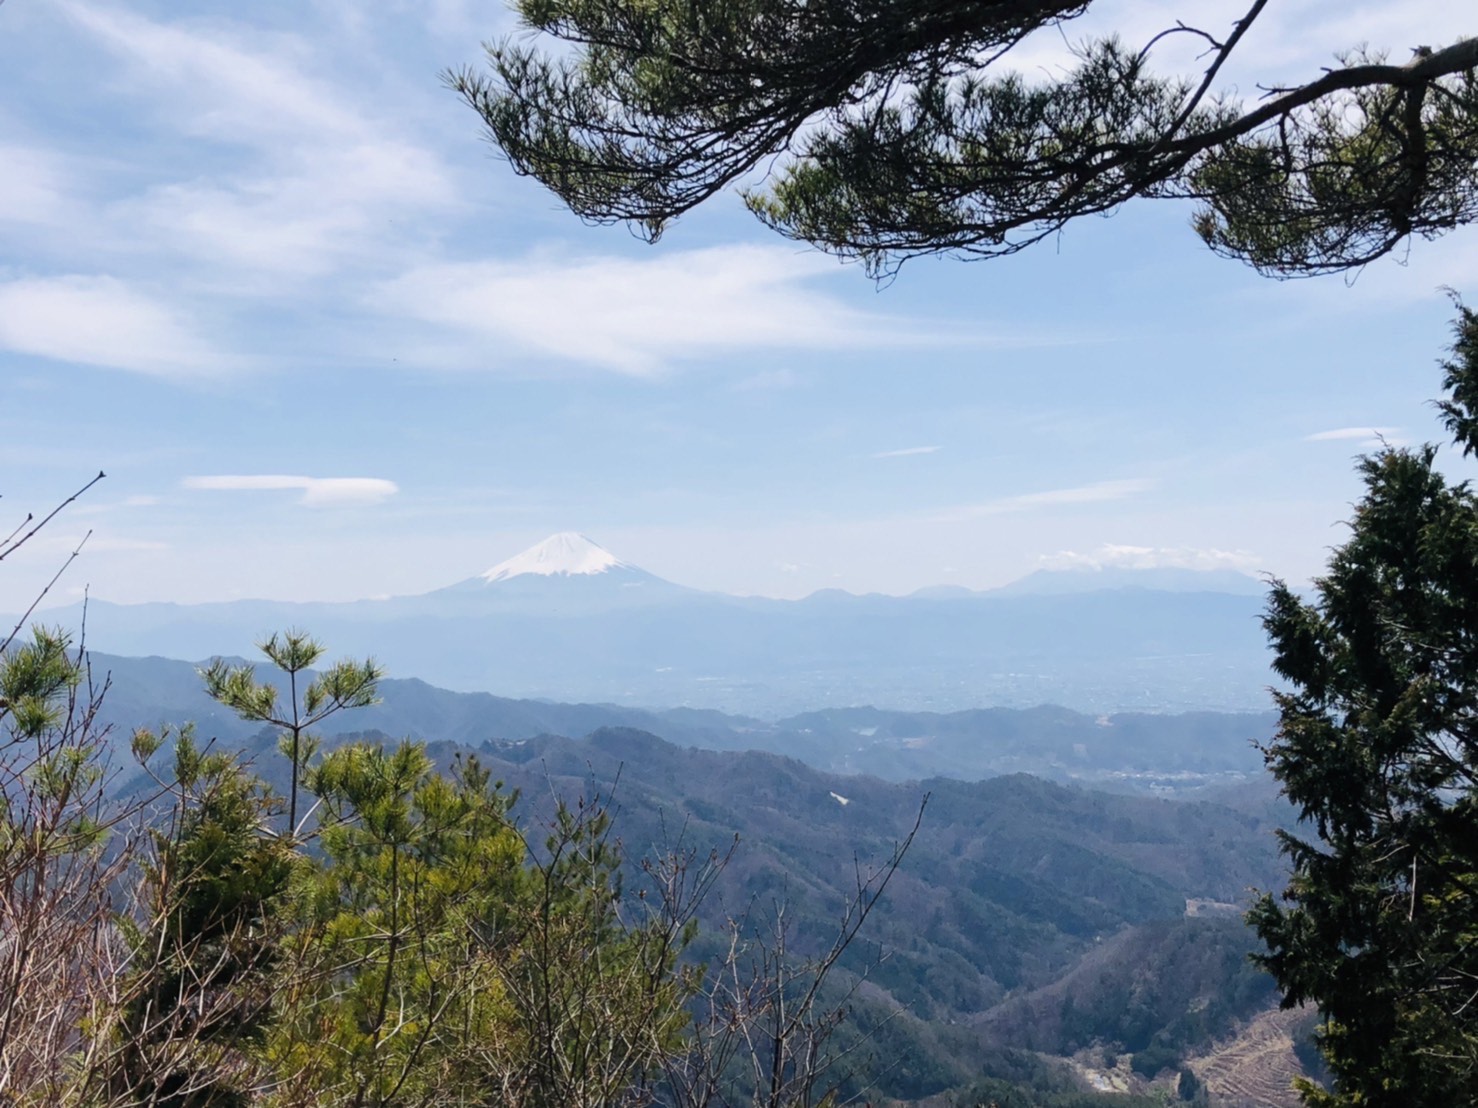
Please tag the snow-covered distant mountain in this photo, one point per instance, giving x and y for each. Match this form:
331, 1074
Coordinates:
567, 554
566, 574
1049, 582
567, 619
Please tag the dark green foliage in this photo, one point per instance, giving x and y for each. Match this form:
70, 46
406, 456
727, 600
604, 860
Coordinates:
1378, 750
343, 685
1189, 1087
197, 997
49, 754
33, 681
903, 131
1154, 1059
403, 944
60, 855
1306, 1048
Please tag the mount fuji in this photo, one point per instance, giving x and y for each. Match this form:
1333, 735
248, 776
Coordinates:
567, 574
567, 619
567, 554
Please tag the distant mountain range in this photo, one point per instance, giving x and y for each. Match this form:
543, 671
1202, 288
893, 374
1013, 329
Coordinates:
568, 620
1167, 754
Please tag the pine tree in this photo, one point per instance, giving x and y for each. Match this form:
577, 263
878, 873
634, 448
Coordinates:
888, 129
204, 941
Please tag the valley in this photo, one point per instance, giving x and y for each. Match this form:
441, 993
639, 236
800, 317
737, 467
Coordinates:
1076, 883
1066, 922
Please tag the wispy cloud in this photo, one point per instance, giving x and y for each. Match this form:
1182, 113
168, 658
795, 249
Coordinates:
1097, 493
108, 507
32, 186
1119, 556
304, 221
237, 94
327, 179
1366, 436
318, 492
907, 452
296, 196
638, 316
102, 321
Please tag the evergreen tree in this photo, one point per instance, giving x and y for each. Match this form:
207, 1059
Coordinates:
1378, 750
405, 926
343, 685
203, 942
897, 128
433, 955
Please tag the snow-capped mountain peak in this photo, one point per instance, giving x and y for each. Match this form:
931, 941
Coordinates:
567, 554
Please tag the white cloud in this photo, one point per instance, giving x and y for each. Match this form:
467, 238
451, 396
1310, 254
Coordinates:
1119, 556
104, 322
907, 452
305, 221
327, 180
638, 315
1096, 493
31, 186
233, 93
318, 492
1365, 436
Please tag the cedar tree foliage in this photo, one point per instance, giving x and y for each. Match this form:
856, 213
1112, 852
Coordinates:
888, 129
1378, 750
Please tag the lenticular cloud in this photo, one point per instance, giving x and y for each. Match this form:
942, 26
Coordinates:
318, 492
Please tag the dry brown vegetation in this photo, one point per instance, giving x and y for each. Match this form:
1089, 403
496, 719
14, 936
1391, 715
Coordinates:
1254, 1068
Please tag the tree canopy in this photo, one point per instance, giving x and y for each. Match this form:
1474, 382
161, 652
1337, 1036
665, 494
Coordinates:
894, 128
1378, 750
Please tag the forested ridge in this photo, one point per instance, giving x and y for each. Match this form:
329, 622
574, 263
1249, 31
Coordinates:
614, 919
981, 912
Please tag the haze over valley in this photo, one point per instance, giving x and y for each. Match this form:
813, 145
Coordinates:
568, 620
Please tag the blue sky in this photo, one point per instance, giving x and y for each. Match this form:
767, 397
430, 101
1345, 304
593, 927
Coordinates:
259, 266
